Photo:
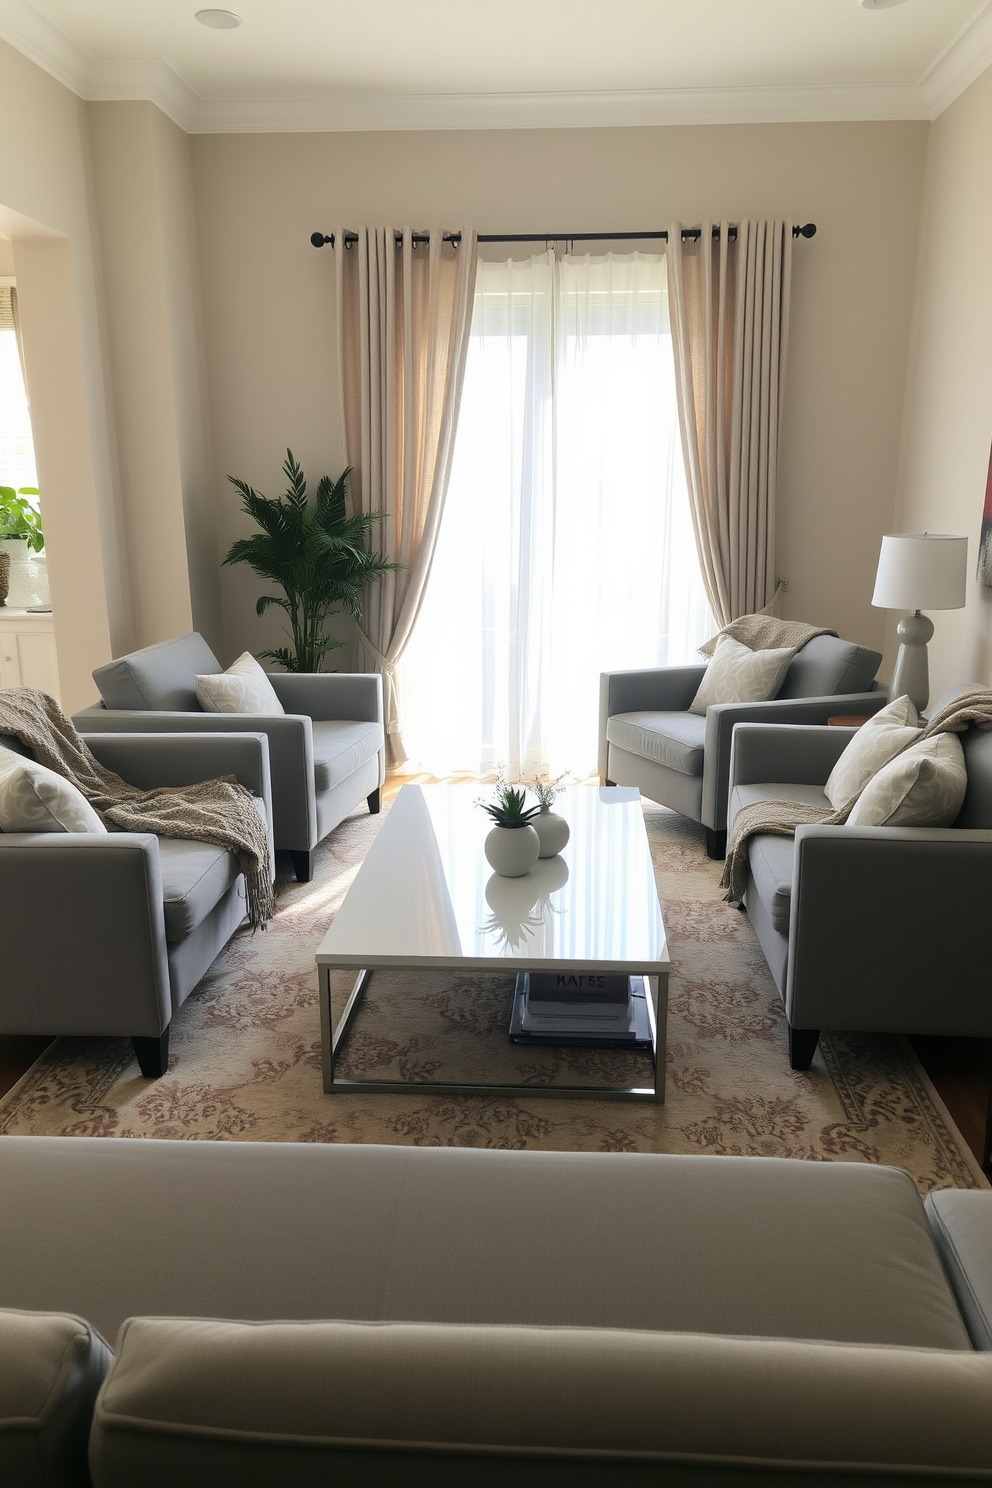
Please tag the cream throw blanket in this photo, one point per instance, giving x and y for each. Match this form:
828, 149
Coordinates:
765, 633
781, 818
218, 811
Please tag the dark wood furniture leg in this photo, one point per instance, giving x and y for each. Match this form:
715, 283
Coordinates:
375, 801
802, 1046
152, 1054
303, 865
716, 843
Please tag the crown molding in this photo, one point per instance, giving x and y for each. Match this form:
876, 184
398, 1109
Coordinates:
154, 81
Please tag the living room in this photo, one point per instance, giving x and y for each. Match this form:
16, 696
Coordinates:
179, 327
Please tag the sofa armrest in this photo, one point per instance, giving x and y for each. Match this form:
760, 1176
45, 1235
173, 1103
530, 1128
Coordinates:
331, 696
84, 947
721, 719
794, 754
887, 930
961, 1221
652, 690
290, 740
164, 760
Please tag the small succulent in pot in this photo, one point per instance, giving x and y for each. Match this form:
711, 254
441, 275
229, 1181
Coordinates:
513, 846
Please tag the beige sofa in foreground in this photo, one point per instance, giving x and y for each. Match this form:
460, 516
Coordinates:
450, 1316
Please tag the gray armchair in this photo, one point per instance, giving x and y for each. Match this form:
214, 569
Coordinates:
108, 935
875, 928
327, 752
648, 738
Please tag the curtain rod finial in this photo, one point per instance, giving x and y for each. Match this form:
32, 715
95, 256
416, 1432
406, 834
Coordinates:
808, 230
319, 239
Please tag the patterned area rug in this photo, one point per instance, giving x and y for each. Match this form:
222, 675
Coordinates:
246, 1061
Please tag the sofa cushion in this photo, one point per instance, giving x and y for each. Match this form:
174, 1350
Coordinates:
923, 786
891, 730
159, 678
826, 666
51, 1367
961, 1221
36, 799
203, 1402
736, 674
194, 876
769, 856
243, 688
340, 748
673, 739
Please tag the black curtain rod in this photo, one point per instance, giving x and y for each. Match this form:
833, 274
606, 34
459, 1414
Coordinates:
318, 239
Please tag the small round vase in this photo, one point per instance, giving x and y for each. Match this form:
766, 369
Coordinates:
513, 851
553, 831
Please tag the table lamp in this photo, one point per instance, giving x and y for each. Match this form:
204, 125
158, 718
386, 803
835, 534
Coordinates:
917, 570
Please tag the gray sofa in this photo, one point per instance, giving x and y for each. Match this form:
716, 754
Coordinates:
874, 928
451, 1316
327, 753
109, 934
648, 738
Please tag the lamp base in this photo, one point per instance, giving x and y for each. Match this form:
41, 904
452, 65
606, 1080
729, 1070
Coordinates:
911, 675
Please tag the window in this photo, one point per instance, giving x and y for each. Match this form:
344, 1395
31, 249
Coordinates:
17, 467
566, 546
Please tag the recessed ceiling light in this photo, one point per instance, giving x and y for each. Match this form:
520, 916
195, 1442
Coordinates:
227, 20
880, 4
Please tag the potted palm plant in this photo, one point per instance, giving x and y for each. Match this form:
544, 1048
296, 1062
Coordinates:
317, 555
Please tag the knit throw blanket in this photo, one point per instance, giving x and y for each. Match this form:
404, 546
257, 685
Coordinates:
781, 818
765, 633
218, 811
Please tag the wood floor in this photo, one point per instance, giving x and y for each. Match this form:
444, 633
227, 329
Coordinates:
960, 1068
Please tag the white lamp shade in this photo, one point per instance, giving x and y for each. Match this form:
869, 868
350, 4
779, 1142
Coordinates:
921, 571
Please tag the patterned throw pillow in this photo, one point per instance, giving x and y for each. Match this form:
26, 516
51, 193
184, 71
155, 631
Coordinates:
736, 674
891, 730
35, 799
243, 688
923, 786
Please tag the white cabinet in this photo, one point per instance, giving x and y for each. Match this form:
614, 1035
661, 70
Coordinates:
27, 651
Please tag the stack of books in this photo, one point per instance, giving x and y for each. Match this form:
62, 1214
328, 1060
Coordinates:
579, 1008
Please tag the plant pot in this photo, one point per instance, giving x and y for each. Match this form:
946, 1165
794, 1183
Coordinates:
28, 581
4, 577
553, 831
513, 851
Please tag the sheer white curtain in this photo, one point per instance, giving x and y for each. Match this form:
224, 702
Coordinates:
566, 546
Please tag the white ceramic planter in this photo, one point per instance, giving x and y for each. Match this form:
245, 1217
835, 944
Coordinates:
28, 582
513, 851
553, 831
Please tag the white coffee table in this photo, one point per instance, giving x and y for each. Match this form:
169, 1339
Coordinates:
425, 897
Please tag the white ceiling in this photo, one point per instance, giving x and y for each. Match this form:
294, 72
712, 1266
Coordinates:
394, 64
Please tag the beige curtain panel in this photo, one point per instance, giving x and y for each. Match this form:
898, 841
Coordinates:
729, 308
404, 318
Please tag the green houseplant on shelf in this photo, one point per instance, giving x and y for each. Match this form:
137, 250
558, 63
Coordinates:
23, 570
513, 846
317, 555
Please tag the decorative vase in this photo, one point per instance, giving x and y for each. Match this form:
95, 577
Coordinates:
27, 583
4, 577
553, 831
513, 851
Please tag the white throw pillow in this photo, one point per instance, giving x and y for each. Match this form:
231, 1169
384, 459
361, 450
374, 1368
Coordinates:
892, 730
243, 688
35, 799
923, 786
736, 674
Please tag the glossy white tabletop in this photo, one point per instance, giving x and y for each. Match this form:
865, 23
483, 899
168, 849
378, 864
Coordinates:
425, 894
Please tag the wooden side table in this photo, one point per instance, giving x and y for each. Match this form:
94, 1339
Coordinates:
848, 720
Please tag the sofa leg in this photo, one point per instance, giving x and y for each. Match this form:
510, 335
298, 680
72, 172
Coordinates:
152, 1054
303, 865
609, 782
375, 801
716, 843
802, 1047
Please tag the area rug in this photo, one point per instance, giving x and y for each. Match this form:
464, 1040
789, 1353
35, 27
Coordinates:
246, 1060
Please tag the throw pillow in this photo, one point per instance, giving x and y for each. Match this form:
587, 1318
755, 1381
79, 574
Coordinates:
736, 674
243, 688
35, 799
923, 786
891, 731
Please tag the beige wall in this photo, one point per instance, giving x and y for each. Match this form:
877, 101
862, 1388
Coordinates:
269, 309
948, 421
